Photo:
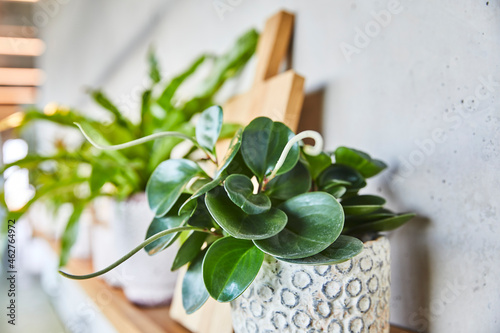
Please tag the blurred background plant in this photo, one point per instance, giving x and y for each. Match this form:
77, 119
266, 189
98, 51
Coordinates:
77, 176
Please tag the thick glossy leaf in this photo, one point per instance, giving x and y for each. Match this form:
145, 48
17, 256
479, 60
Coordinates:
337, 191
362, 204
189, 249
194, 292
239, 188
201, 191
290, 184
169, 221
315, 220
341, 173
353, 220
239, 224
317, 164
234, 148
201, 217
386, 224
230, 266
344, 248
208, 127
167, 183
262, 144
359, 160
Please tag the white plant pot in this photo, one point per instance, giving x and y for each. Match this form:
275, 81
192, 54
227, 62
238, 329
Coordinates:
146, 280
53, 224
349, 297
103, 243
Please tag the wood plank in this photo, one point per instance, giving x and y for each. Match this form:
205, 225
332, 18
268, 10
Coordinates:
17, 95
21, 46
7, 110
112, 302
273, 45
21, 76
18, 31
277, 96
397, 329
123, 315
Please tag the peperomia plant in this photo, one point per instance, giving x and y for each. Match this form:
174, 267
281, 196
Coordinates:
79, 177
271, 195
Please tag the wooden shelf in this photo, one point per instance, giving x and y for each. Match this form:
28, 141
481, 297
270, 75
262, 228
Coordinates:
123, 315
126, 317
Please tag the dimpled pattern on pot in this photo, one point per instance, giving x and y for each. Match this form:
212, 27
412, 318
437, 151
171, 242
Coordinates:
349, 297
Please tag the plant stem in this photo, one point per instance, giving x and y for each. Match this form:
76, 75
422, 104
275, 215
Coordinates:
310, 150
141, 140
134, 251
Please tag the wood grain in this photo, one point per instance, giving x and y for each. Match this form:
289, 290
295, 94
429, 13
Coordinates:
273, 95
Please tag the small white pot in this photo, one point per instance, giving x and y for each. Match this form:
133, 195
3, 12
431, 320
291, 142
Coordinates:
103, 243
146, 280
349, 297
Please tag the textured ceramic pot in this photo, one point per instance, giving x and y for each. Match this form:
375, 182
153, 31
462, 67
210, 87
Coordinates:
349, 297
146, 280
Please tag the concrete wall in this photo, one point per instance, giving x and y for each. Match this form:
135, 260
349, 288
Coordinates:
418, 90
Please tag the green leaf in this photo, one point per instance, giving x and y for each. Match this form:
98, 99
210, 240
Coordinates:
360, 161
353, 220
165, 99
362, 204
147, 119
290, 184
101, 99
262, 144
229, 64
70, 233
194, 292
317, 164
337, 191
341, 174
189, 249
208, 127
229, 130
167, 183
315, 220
201, 216
239, 224
229, 267
232, 150
385, 224
154, 71
163, 147
239, 188
101, 173
201, 191
169, 221
343, 249
233, 161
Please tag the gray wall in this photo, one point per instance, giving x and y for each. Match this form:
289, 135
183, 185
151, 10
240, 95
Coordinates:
419, 91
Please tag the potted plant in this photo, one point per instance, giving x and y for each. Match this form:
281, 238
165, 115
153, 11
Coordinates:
123, 174
279, 220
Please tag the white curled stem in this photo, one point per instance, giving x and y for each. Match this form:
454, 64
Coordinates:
309, 150
135, 142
